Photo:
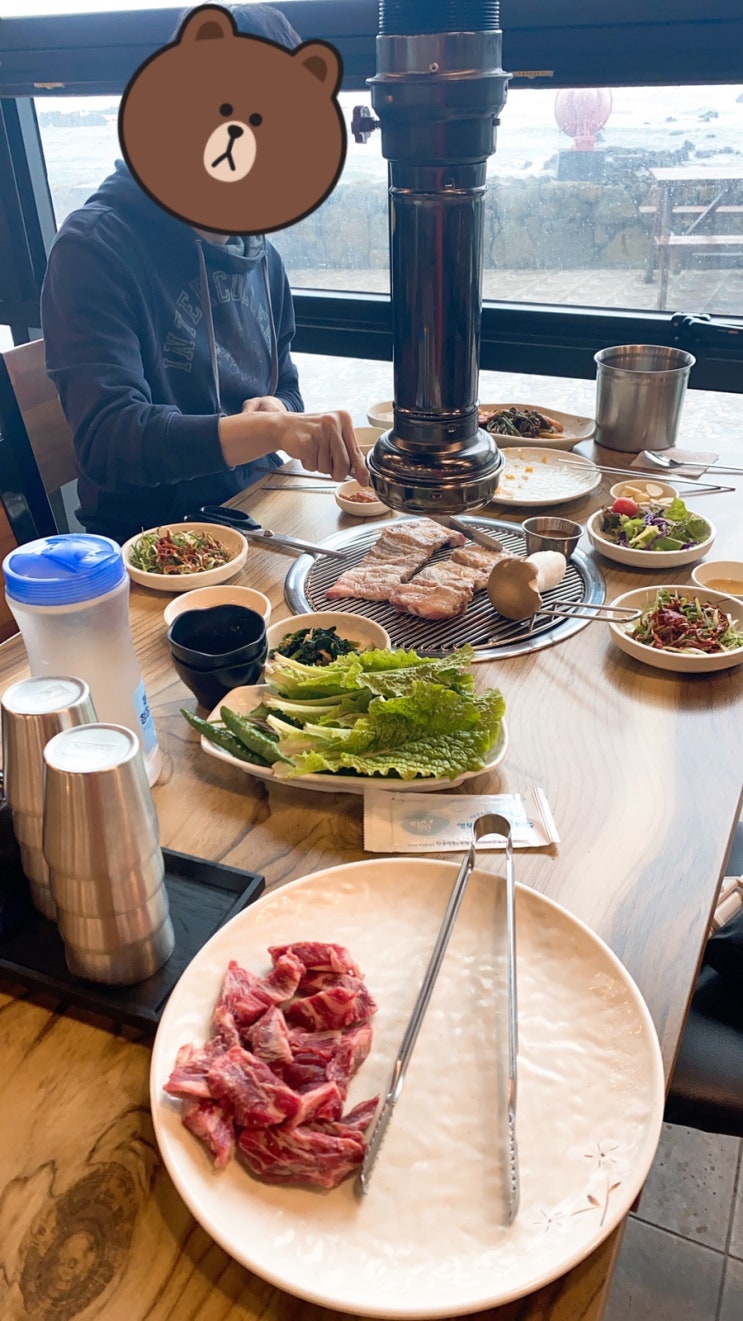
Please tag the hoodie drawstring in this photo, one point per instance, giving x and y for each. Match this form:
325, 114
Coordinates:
206, 304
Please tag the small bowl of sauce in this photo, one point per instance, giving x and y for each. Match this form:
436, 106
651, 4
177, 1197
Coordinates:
720, 576
360, 501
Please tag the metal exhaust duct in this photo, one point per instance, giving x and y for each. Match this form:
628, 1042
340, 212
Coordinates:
438, 91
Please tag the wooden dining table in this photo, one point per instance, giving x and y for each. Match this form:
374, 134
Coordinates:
642, 769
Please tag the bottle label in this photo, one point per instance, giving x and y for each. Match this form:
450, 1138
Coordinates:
146, 723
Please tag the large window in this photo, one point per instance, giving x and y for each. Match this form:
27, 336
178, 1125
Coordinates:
609, 208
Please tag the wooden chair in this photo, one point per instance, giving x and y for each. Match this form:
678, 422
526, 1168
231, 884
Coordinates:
37, 434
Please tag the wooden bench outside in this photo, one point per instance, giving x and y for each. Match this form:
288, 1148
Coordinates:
709, 244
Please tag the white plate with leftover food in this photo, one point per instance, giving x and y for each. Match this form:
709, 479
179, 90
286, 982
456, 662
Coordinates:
677, 621
355, 629
647, 557
539, 476
430, 1238
548, 428
179, 557
244, 700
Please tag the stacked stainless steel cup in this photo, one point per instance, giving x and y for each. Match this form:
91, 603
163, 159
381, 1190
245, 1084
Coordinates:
33, 711
101, 840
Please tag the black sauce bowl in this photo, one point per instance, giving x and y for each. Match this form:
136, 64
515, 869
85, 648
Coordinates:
217, 649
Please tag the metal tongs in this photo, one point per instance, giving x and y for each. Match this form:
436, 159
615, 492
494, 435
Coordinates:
488, 824
243, 522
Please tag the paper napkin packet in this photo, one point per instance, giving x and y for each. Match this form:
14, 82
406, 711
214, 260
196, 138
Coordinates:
440, 823
696, 462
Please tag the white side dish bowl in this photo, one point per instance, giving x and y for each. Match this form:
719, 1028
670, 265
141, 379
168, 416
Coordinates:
367, 437
366, 633
233, 541
381, 415
643, 489
204, 597
714, 573
359, 508
679, 661
646, 559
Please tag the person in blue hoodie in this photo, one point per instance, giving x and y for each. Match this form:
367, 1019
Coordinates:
171, 352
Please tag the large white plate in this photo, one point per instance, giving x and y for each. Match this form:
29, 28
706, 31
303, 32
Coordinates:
574, 427
429, 1240
242, 700
537, 476
679, 661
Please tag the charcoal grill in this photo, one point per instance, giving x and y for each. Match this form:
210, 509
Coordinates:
493, 636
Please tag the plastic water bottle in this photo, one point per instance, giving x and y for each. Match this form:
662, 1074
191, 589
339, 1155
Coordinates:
69, 595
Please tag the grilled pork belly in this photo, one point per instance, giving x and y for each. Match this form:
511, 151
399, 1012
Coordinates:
399, 552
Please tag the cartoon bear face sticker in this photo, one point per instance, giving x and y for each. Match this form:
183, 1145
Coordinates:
234, 133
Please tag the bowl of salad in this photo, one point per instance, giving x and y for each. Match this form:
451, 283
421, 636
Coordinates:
650, 534
685, 628
179, 557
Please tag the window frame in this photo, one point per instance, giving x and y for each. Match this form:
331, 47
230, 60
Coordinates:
552, 43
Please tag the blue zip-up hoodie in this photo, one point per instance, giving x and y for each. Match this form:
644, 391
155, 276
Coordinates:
145, 364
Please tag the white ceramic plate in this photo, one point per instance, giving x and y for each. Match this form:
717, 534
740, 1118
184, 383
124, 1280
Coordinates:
225, 594
429, 1239
574, 427
354, 628
245, 699
645, 559
681, 662
187, 582
537, 476
359, 508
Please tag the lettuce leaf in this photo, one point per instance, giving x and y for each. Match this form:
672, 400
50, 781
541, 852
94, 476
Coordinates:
430, 731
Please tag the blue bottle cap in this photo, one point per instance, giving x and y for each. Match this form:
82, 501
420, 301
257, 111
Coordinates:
63, 569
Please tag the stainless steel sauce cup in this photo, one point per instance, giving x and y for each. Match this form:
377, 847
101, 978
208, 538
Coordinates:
102, 842
33, 711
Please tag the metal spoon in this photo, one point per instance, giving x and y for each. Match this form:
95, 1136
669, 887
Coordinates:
661, 461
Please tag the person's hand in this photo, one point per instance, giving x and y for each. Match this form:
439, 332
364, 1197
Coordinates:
265, 403
324, 442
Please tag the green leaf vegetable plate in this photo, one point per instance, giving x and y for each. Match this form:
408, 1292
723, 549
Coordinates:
245, 699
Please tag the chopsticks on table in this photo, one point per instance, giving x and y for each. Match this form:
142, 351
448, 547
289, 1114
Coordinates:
630, 473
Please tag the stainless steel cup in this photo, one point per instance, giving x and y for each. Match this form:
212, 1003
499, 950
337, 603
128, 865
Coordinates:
33, 711
640, 391
102, 843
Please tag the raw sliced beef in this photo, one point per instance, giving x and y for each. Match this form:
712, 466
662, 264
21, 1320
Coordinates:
317, 956
313, 1155
273, 1077
252, 1089
269, 1037
338, 1006
211, 1125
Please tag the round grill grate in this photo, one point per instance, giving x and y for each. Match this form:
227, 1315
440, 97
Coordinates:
495, 637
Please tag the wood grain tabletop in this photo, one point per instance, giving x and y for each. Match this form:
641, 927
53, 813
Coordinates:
642, 769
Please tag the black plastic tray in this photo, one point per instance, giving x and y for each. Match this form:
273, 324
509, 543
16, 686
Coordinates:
203, 896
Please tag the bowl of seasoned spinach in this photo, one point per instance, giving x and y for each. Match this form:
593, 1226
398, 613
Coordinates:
323, 636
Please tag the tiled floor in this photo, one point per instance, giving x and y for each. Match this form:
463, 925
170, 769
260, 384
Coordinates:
682, 1255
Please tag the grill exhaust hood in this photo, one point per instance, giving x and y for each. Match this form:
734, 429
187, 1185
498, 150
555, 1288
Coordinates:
437, 94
